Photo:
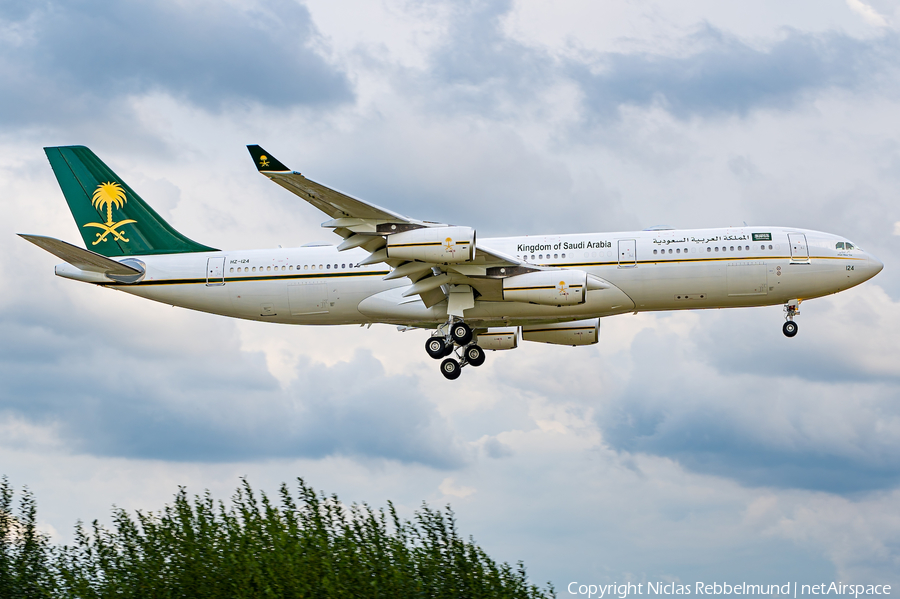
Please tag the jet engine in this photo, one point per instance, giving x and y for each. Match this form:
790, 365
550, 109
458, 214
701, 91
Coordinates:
440, 245
578, 332
499, 338
547, 287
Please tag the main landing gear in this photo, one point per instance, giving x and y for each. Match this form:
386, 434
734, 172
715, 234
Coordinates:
454, 338
791, 309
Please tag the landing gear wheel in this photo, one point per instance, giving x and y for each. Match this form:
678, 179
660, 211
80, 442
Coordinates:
789, 329
448, 349
474, 355
450, 369
437, 348
461, 333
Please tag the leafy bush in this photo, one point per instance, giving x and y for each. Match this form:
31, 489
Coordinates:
24, 572
312, 546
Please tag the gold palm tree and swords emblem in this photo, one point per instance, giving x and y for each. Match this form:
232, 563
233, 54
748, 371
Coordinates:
108, 195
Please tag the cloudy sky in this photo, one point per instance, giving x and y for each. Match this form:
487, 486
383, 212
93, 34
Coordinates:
690, 446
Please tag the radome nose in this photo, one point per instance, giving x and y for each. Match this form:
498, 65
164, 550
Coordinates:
875, 265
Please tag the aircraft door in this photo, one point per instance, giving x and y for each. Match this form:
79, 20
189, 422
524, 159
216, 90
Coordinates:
215, 271
799, 248
627, 257
308, 297
746, 278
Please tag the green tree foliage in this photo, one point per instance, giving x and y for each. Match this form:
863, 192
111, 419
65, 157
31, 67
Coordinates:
24, 552
303, 545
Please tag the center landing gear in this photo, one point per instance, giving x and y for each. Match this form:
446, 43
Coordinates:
454, 337
791, 309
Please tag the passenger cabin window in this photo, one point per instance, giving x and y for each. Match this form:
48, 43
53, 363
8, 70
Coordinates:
654, 252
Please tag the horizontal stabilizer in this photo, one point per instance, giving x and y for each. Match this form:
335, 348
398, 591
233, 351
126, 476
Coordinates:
81, 258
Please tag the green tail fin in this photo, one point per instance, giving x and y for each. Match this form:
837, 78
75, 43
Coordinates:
114, 221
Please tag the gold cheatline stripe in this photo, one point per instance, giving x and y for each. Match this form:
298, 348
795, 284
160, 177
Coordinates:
735, 259
554, 330
544, 287
246, 279
423, 244
566, 264
410, 245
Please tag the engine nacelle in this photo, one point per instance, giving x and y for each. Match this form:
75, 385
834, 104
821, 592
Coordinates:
547, 287
578, 332
433, 244
499, 338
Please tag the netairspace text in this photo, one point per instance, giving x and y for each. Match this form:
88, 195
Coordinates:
703, 588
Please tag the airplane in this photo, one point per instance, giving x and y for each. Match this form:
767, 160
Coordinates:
472, 293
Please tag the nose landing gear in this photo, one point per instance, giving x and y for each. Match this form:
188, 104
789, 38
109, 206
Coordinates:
454, 337
791, 309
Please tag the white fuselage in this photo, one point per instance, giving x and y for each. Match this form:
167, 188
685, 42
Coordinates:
648, 270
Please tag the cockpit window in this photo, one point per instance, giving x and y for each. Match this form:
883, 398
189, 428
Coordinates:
839, 245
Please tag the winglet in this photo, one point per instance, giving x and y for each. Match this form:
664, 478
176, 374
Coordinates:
265, 162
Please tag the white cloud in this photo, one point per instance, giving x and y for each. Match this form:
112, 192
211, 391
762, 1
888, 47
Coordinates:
449, 487
869, 14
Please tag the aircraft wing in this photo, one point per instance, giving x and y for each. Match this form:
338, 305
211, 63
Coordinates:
433, 273
81, 258
333, 203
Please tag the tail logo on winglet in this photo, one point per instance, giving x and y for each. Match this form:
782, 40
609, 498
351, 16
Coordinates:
106, 196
